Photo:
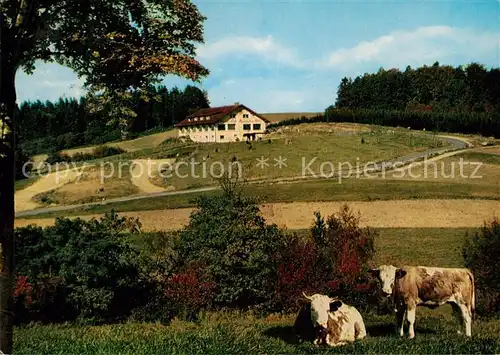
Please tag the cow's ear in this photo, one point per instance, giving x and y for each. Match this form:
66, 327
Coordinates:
400, 273
335, 305
374, 272
303, 301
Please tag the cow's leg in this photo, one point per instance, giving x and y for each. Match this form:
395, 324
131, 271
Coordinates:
360, 330
332, 343
457, 312
400, 320
467, 319
411, 320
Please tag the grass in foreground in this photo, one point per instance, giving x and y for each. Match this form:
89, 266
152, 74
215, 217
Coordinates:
243, 334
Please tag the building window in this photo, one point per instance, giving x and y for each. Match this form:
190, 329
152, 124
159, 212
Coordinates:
246, 127
231, 127
221, 127
256, 126
233, 115
245, 115
221, 137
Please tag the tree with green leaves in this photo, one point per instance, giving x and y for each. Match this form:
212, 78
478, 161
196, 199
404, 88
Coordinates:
230, 238
115, 46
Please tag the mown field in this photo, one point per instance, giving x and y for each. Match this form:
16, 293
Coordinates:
247, 333
310, 191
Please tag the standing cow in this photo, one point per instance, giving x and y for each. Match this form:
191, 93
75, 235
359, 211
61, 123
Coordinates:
412, 286
329, 321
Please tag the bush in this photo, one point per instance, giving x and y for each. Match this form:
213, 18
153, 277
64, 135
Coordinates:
349, 249
190, 291
297, 272
333, 260
106, 151
230, 238
68, 140
97, 153
87, 266
156, 261
481, 253
58, 157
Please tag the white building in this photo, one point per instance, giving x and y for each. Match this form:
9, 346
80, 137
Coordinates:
223, 124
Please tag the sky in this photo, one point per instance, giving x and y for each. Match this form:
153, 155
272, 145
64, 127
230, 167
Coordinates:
289, 56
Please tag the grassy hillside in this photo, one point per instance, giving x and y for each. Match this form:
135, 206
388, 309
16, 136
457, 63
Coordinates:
307, 145
325, 146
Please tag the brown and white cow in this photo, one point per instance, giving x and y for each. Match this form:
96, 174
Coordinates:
412, 286
329, 321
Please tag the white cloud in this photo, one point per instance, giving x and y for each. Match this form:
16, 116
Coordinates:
282, 94
422, 45
236, 46
417, 47
49, 81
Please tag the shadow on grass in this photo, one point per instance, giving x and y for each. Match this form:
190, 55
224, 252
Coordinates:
387, 330
286, 334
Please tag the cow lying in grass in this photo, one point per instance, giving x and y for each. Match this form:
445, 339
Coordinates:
431, 287
325, 320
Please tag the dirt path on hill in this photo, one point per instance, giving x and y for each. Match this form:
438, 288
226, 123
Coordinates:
143, 169
298, 215
23, 198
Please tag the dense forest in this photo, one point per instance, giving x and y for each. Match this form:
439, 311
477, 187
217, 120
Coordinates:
51, 126
440, 88
463, 99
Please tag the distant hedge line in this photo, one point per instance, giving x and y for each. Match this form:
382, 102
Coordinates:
467, 123
97, 153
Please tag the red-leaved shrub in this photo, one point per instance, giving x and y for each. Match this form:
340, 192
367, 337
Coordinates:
23, 291
190, 290
296, 272
334, 260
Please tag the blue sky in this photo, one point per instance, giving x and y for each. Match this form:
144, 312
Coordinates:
289, 56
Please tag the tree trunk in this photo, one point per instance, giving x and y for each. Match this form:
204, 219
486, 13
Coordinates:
8, 111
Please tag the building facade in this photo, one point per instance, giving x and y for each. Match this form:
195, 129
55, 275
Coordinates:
223, 124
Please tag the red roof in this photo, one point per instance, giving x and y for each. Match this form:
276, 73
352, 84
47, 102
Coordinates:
214, 114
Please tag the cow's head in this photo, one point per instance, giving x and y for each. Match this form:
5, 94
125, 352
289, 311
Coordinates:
320, 306
387, 275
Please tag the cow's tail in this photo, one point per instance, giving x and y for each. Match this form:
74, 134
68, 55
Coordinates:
473, 293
